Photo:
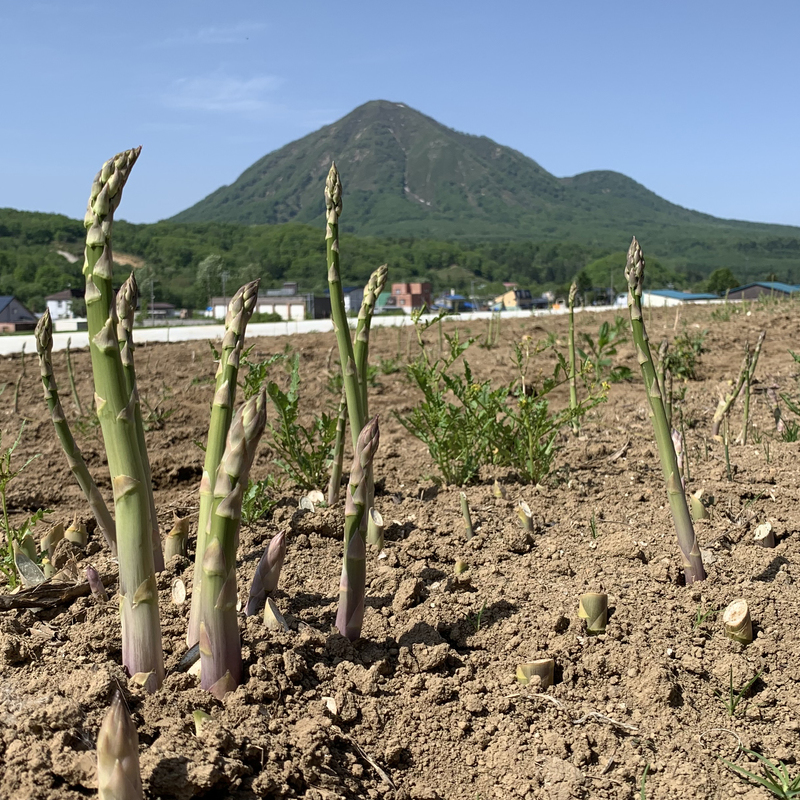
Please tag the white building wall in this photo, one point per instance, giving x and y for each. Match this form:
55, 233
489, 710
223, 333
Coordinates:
59, 309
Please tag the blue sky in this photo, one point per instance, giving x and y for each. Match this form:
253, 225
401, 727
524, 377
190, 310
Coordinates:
696, 100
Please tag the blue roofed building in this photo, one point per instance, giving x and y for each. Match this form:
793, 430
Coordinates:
752, 291
673, 297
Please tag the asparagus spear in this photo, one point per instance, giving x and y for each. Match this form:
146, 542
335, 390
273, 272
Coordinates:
335, 481
377, 280
268, 573
350, 615
118, 775
141, 630
44, 347
726, 403
240, 309
687, 541
220, 645
573, 377
127, 300
71, 373
350, 373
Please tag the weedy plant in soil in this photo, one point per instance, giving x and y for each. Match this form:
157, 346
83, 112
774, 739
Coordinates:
467, 424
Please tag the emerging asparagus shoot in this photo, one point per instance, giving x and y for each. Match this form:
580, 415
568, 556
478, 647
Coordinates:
687, 541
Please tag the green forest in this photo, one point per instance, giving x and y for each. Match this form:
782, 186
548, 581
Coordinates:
186, 261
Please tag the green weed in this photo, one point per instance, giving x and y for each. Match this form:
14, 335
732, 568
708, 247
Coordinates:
776, 778
735, 696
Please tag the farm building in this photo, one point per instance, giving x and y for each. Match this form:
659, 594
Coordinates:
672, 297
752, 291
14, 316
62, 305
408, 296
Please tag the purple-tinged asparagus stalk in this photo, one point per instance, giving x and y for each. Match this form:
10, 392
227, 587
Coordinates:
268, 573
44, 347
240, 309
118, 775
687, 541
220, 644
141, 628
96, 583
350, 615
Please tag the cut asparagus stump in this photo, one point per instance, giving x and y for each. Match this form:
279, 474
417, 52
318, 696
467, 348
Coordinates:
273, 619
543, 669
593, 607
350, 615
118, 775
220, 645
141, 629
525, 516
375, 529
268, 573
737, 623
468, 530
177, 538
687, 541
765, 536
240, 309
698, 508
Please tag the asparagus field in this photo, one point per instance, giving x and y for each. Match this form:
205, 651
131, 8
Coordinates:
476, 592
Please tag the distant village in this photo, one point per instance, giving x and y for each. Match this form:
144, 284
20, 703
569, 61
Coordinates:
288, 303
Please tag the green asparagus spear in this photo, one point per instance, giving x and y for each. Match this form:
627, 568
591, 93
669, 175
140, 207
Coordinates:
687, 541
141, 629
44, 347
240, 309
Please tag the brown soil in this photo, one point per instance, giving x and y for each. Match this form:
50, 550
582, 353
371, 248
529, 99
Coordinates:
426, 705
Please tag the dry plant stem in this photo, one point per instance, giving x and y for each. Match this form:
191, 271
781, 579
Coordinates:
127, 300
177, 539
756, 353
268, 573
687, 541
44, 347
543, 668
573, 373
467, 517
141, 629
350, 615
736, 619
220, 644
240, 309
71, 374
118, 775
593, 607
726, 403
746, 390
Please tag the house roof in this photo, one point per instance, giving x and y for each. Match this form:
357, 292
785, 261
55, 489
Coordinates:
65, 294
773, 286
6, 300
674, 294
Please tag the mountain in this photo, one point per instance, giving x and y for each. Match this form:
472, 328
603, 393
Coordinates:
406, 175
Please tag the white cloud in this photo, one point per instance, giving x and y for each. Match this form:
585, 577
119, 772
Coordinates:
219, 93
